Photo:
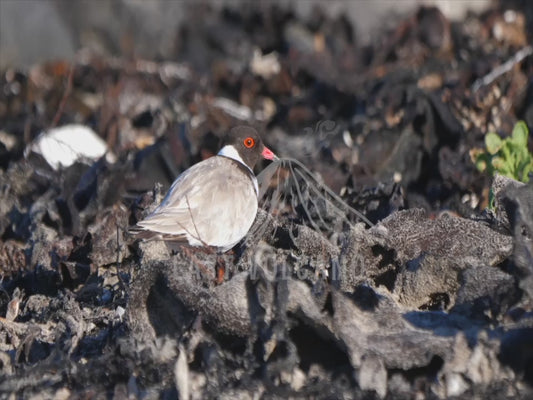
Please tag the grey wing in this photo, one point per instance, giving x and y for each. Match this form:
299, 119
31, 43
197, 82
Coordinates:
173, 215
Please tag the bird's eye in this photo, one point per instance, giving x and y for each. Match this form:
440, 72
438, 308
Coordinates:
249, 142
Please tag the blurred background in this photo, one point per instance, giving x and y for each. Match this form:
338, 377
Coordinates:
392, 105
35, 30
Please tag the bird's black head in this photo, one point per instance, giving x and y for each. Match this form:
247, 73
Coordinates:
245, 143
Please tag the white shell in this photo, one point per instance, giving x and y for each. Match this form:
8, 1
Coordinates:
63, 146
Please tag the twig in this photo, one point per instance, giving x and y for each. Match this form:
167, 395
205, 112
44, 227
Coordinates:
66, 94
119, 261
293, 175
329, 192
502, 69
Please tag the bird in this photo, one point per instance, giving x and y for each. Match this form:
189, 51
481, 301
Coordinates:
213, 203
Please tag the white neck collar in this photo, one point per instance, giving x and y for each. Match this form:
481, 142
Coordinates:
231, 152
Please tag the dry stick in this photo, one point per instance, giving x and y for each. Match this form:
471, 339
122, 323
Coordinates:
277, 195
337, 210
277, 204
122, 284
282, 194
294, 201
330, 192
313, 202
266, 175
274, 201
298, 191
293, 171
66, 94
296, 172
502, 69
278, 199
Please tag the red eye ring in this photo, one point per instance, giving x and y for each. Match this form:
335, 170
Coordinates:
249, 142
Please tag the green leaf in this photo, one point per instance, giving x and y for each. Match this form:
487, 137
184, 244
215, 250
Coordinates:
526, 171
509, 156
498, 163
481, 163
493, 142
520, 134
507, 151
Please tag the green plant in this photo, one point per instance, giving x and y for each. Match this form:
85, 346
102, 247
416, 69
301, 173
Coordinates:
509, 156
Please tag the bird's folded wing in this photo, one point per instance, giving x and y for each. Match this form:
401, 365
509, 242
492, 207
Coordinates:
173, 222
